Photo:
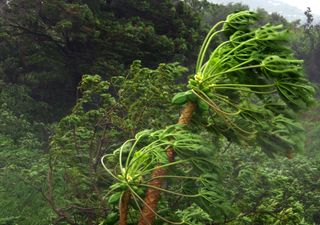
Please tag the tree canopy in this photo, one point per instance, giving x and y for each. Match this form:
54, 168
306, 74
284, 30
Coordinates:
83, 81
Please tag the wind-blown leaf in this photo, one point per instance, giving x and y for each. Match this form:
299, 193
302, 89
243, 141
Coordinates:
247, 77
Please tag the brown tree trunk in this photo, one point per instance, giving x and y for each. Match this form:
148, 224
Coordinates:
124, 206
152, 195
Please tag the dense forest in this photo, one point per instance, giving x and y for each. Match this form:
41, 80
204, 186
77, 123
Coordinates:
91, 93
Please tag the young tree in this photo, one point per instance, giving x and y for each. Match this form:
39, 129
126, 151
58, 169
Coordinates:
248, 90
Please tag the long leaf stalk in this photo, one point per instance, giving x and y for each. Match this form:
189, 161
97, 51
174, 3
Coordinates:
137, 166
224, 61
153, 211
254, 65
211, 34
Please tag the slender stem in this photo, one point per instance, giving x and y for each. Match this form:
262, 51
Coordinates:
222, 60
247, 90
130, 152
292, 84
211, 79
202, 55
243, 85
233, 50
104, 166
223, 114
144, 151
216, 108
172, 176
170, 192
164, 166
121, 150
153, 211
203, 49
230, 41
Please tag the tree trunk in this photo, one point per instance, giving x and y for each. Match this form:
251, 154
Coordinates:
124, 206
152, 195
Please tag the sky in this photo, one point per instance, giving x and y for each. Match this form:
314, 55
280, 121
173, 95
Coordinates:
303, 4
292, 10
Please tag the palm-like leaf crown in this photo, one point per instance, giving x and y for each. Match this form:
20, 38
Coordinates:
249, 88
253, 83
194, 164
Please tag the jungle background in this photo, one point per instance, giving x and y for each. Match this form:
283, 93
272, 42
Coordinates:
144, 50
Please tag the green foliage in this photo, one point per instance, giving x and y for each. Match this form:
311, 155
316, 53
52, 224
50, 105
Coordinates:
48, 45
194, 215
194, 164
45, 48
312, 128
74, 184
145, 95
21, 160
239, 80
97, 125
253, 69
249, 68
284, 191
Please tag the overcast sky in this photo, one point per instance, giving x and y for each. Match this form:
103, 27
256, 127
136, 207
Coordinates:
291, 9
303, 4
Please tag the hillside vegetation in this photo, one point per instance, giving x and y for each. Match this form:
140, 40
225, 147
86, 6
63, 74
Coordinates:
92, 91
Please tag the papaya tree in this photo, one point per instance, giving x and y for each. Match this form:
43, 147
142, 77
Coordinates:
249, 89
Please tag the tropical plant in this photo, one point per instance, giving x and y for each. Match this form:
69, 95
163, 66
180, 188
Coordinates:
248, 90
45, 48
97, 125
